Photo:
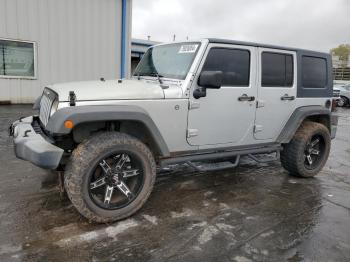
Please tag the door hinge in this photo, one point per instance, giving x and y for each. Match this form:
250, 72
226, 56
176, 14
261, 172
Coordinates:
193, 105
260, 103
192, 132
258, 128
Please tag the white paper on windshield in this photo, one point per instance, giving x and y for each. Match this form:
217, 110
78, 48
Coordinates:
185, 49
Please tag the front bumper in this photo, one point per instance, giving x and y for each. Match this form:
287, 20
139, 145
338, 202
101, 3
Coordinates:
33, 146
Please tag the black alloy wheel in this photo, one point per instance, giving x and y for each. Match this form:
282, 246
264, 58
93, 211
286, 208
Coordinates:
116, 180
314, 152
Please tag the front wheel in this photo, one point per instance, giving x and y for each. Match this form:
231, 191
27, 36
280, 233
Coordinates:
308, 151
110, 176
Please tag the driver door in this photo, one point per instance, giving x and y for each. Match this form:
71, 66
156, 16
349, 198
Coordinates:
225, 116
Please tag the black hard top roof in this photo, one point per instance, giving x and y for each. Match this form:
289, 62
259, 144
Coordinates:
234, 42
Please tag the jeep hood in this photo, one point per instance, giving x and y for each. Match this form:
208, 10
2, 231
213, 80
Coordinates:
109, 90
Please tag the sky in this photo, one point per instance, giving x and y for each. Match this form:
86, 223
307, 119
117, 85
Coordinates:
311, 24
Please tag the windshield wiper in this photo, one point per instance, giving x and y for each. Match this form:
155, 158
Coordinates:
160, 80
151, 74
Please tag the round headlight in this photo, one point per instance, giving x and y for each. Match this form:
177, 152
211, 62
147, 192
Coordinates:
54, 107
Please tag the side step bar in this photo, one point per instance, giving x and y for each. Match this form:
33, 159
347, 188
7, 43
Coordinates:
214, 166
266, 160
219, 155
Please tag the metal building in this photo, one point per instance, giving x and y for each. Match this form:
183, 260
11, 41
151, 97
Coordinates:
138, 49
52, 41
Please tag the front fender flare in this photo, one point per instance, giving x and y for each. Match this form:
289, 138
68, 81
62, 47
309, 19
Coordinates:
84, 114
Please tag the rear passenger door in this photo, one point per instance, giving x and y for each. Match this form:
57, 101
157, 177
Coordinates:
277, 85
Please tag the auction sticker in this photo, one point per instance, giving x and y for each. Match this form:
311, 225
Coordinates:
188, 49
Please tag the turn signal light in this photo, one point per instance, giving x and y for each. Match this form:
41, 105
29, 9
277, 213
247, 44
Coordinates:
68, 124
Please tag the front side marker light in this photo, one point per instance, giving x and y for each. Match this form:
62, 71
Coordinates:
68, 124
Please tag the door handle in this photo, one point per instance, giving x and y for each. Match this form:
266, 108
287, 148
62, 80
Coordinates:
287, 97
245, 97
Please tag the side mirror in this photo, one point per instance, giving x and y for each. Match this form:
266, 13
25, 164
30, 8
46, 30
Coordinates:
210, 79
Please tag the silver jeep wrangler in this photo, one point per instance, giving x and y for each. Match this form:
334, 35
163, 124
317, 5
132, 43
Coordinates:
204, 103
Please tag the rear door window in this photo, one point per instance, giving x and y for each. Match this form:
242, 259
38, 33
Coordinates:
277, 70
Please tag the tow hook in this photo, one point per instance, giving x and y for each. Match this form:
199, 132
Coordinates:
26, 132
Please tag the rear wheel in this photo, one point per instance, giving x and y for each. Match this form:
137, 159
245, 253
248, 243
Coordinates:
110, 176
308, 151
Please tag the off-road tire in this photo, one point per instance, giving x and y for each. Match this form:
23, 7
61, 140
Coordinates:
79, 166
292, 155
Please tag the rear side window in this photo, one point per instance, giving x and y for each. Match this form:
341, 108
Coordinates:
234, 63
314, 72
277, 70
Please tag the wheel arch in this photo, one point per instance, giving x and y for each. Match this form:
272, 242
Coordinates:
317, 114
132, 120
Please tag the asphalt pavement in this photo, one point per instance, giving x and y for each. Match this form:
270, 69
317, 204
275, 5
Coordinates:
256, 212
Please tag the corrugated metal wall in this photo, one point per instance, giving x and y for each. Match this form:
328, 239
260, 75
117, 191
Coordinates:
76, 40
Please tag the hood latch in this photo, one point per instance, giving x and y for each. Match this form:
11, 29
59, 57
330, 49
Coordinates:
72, 98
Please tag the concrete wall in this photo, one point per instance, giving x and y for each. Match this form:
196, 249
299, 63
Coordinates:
76, 40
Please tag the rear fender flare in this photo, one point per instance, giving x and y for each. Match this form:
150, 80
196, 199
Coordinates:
298, 116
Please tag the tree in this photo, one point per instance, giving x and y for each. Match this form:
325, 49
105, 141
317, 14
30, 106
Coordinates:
343, 52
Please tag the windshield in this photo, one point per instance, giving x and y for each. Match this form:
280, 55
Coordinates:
170, 61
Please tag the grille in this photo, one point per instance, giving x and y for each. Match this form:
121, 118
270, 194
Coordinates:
47, 99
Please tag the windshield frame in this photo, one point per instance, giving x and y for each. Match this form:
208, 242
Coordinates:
176, 77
